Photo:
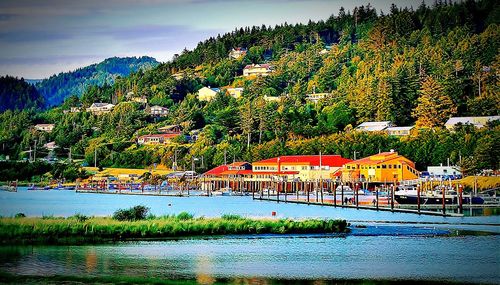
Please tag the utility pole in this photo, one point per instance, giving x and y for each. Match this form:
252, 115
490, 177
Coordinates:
225, 157
34, 154
95, 156
355, 152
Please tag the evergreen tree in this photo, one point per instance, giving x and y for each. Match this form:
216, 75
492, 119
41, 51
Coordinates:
434, 107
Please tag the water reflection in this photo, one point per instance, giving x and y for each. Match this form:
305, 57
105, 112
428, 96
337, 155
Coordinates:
244, 260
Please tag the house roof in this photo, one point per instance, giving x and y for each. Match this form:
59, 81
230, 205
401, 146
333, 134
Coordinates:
165, 136
379, 158
326, 160
99, 104
476, 121
374, 126
264, 65
217, 171
44, 125
158, 107
409, 128
237, 172
238, 164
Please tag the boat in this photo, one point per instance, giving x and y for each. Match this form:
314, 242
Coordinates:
410, 197
216, 193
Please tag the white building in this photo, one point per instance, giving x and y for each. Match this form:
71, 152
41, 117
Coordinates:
235, 92
237, 52
44, 127
399, 131
477, 122
158, 111
374, 126
444, 171
315, 97
100, 108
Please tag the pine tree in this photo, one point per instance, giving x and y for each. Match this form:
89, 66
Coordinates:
434, 107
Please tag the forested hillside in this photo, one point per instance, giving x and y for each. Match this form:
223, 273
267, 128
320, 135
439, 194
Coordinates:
58, 87
17, 94
409, 66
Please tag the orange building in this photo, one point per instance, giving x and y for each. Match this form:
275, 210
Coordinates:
381, 167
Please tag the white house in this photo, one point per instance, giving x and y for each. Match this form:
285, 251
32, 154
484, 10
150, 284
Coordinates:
237, 52
315, 97
44, 127
207, 93
399, 131
50, 146
158, 111
100, 108
374, 126
257, 70
477, 122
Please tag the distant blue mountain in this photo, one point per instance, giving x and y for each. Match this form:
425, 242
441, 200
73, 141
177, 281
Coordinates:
57, 87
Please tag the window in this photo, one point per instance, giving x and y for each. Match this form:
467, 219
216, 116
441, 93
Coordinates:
390, 166
378, 166
384, 166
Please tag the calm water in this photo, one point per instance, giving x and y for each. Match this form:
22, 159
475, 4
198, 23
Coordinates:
467, 258
393, 246
67, 203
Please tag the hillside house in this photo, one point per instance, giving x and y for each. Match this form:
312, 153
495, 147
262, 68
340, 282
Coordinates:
235, 92
399, 131
315, 97
44, 127
170, 129
100, 108
237, 52
477, 122
158, 111
374, 126
257, 70
272, 98
156, 139
207, 93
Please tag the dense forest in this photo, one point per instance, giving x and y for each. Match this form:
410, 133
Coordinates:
16, 94
409, 66
58, 87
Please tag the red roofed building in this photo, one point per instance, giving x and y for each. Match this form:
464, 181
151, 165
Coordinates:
305, 167
156, 139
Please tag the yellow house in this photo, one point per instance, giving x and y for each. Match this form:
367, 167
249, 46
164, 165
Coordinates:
305, 167
235, 92
257, 69
382, 167
207, 93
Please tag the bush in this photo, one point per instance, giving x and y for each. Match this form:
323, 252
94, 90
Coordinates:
81, 218
231, 217
20, 215
132, 214
184, 216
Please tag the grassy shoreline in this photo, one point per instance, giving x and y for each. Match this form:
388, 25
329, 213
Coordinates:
80, 229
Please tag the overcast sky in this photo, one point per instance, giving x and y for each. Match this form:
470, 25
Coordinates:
41, 37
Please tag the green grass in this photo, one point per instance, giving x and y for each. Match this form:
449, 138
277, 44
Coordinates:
78, 228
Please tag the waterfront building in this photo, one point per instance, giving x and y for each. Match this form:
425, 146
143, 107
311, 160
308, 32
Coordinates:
380, 168
303, 167
444, 172
257, 70
207, 93
477, 122
44, 127
374, 126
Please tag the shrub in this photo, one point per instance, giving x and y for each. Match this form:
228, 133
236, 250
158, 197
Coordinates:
231, 217
184, 216
20, 215
81, 218
132, 214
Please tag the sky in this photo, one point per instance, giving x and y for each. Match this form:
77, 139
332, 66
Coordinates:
39, 38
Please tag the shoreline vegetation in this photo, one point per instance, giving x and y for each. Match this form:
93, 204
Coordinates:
133, 224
